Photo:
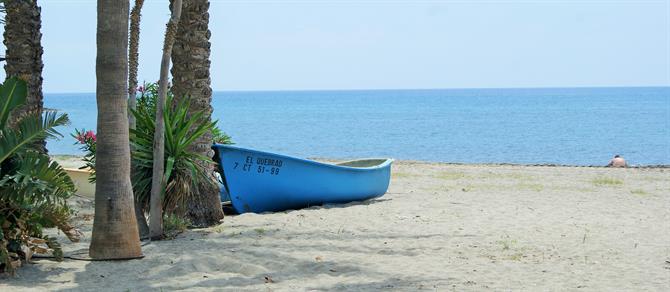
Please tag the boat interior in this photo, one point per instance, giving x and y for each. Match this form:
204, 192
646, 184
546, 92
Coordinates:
362, 163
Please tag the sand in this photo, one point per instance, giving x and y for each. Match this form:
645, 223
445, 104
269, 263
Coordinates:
440, 227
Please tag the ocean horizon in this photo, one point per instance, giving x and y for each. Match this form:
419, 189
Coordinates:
402, 89
572, 126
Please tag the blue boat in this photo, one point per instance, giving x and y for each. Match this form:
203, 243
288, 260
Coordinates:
260, 181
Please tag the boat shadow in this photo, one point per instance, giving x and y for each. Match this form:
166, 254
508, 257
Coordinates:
228, 209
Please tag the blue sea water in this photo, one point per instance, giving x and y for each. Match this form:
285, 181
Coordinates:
575, 126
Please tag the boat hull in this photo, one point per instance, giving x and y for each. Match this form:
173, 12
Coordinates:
266, 182
80, 179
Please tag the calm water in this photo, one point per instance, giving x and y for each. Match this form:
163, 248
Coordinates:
582, 126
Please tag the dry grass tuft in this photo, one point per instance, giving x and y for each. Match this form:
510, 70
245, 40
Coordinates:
606, 181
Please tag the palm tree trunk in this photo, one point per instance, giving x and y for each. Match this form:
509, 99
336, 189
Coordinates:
133, 63
115, 234
158, 178
191, 79
22, 38
133, 58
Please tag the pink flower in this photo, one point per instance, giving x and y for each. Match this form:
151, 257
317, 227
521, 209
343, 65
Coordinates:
86, 137
90, 135
140, 89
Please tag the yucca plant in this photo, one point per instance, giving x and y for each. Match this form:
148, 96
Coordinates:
183, 168
33, 189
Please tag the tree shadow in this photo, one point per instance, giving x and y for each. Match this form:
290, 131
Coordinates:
206, 260
253, 256
29, 274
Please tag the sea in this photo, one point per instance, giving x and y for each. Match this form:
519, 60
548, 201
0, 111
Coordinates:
567, 126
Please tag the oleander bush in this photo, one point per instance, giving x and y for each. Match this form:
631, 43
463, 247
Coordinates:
87, 142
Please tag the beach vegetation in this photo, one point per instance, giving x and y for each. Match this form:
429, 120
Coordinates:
147, 99
639, 192
530, 186
451, 175
516, 256
183, 167
33, 188
655, 179
173, 225
23, 54
218, 229
86, 141
606, 181
572, 188
508, 175
468, 188
507, 243
183, 163
401, 175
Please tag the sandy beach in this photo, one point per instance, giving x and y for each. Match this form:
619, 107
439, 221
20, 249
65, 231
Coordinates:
440, 227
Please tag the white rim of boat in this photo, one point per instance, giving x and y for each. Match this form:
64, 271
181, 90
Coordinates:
387, 161
77, 170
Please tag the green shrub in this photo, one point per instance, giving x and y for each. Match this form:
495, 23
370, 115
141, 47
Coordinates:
33, 189
174, 224
184, 169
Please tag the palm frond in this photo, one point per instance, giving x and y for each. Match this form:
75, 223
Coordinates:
33, 189
37, 181
29, 129
12, 95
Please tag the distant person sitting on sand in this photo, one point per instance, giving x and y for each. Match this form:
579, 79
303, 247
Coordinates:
617, 161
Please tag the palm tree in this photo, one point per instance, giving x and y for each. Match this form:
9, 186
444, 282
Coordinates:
115, 234
22, 38
190, 79
133, 63
133, 57
158, 177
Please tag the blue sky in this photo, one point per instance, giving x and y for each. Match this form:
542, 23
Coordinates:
299, 45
